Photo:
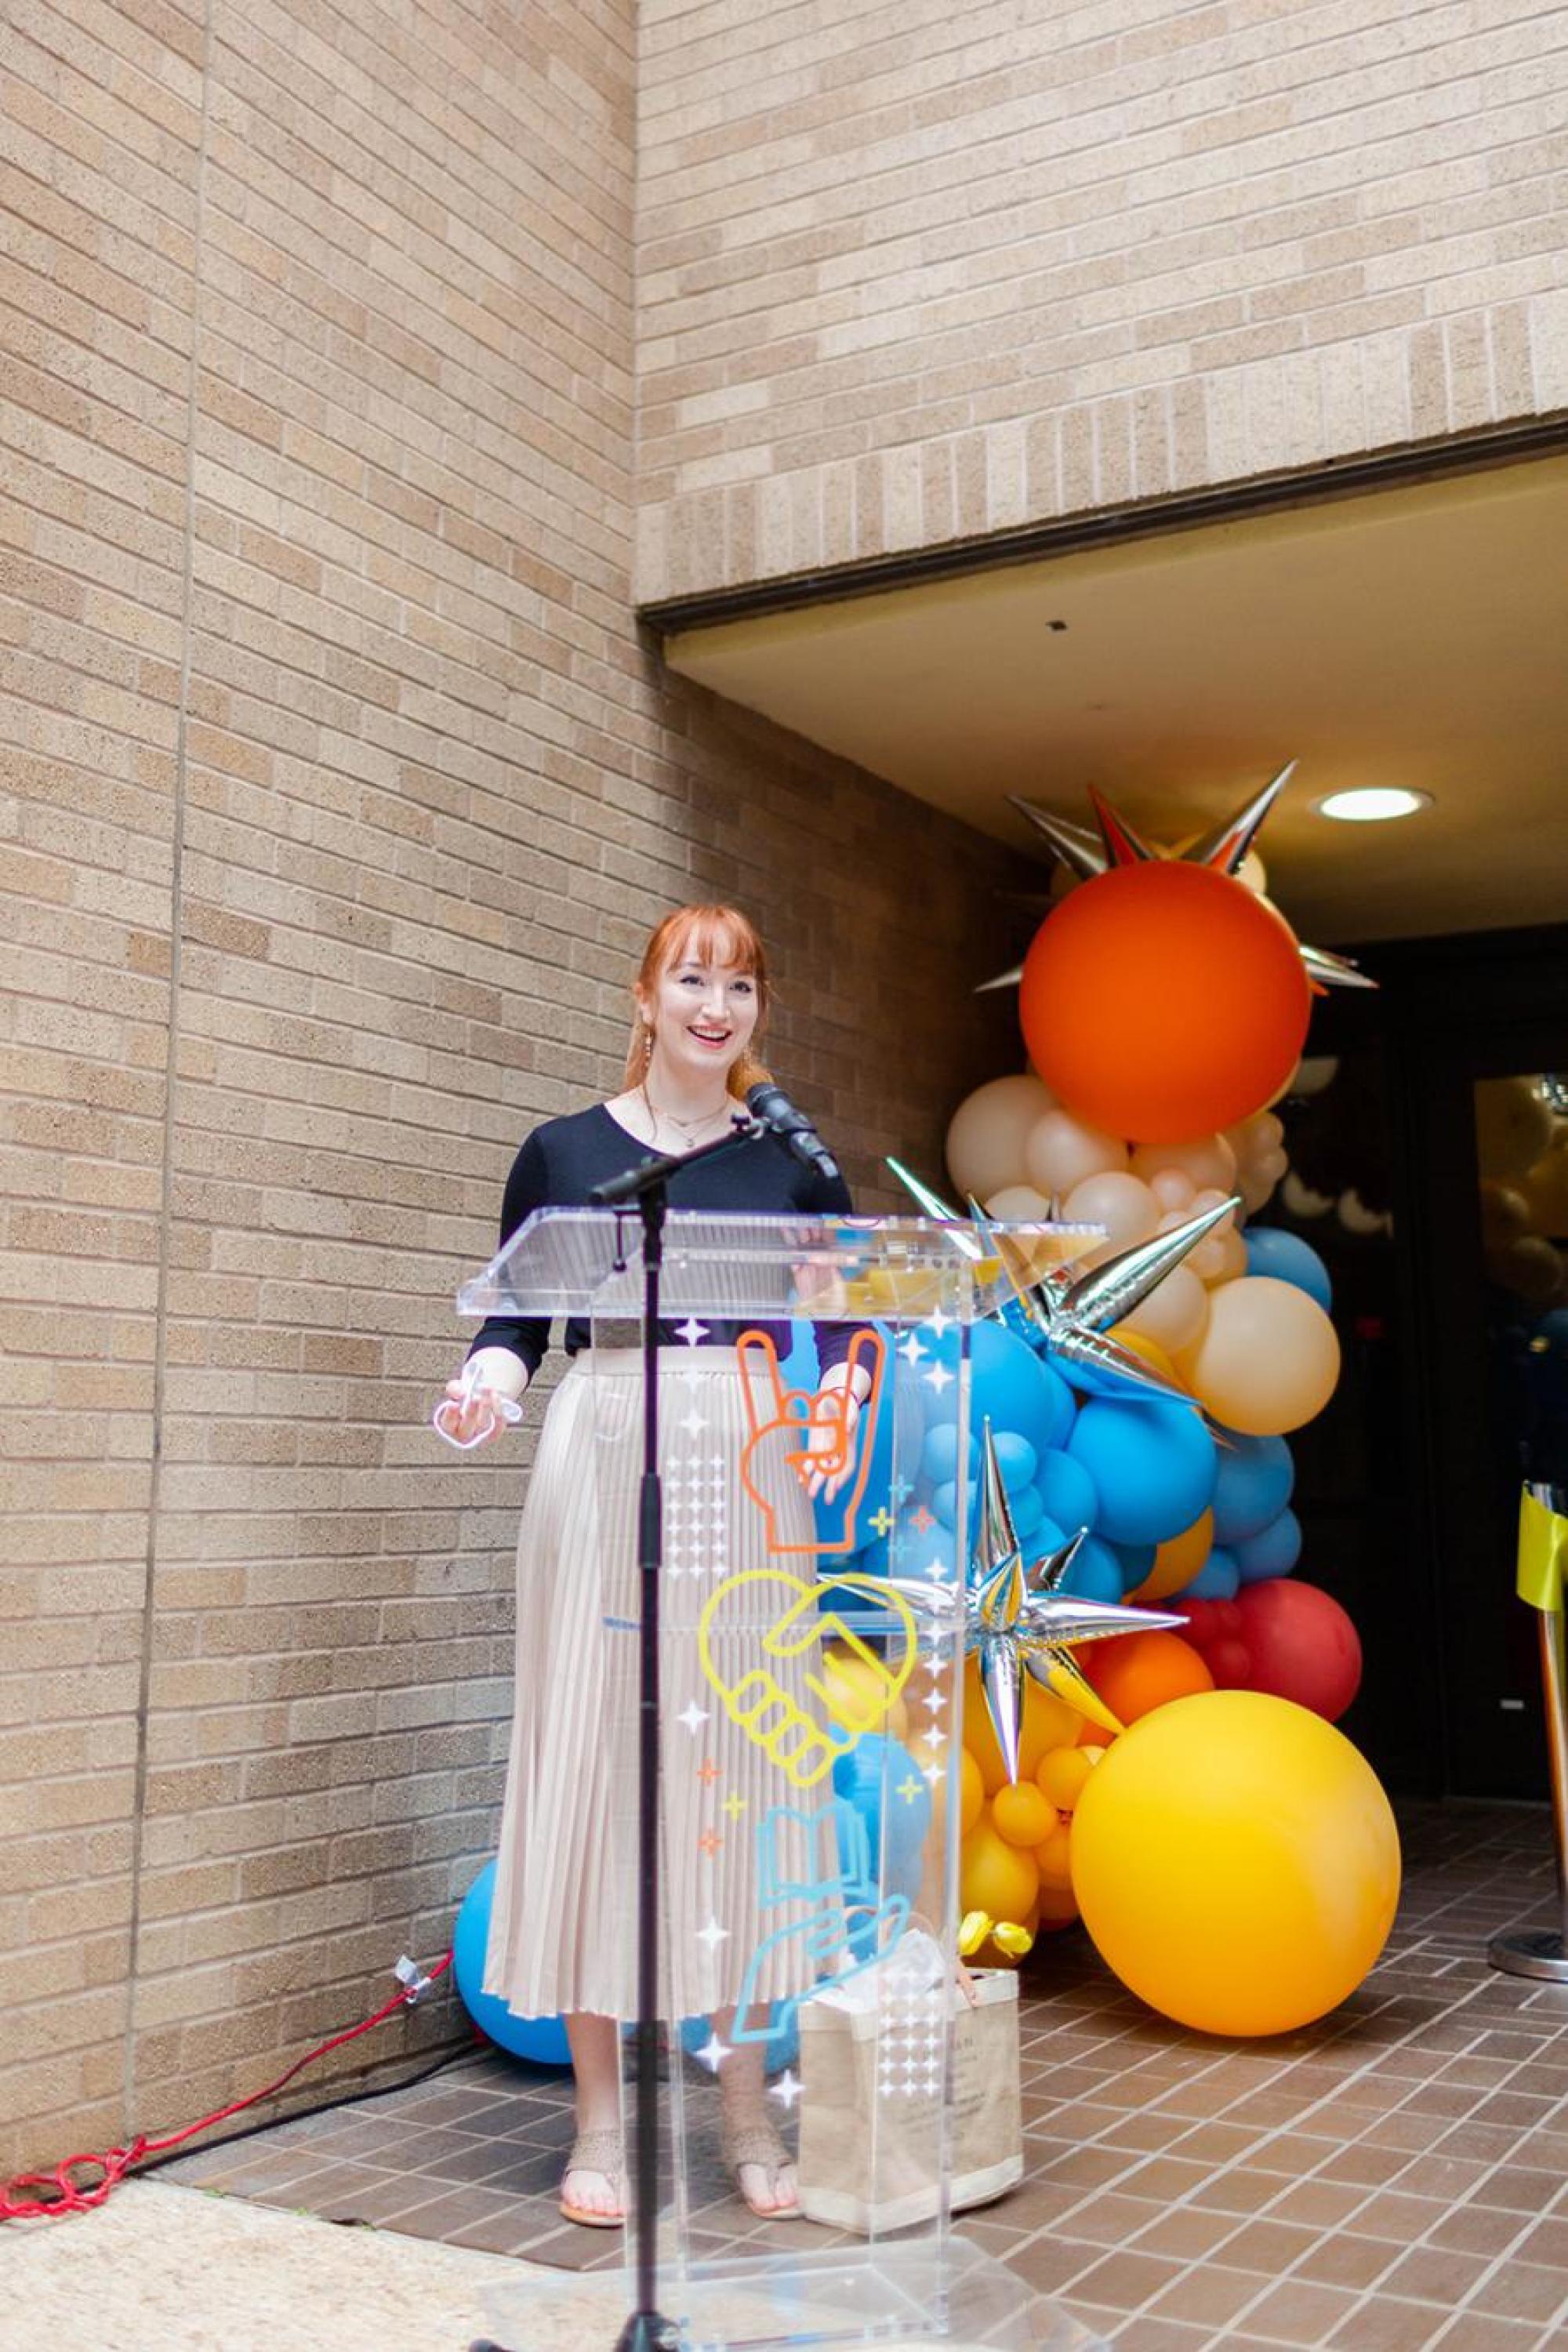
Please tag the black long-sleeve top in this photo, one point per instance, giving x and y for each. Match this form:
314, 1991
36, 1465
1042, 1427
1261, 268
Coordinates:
562, 1162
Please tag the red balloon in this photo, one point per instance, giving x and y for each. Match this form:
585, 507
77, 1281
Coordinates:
1230, 1663
1162, 1001
1303, 1646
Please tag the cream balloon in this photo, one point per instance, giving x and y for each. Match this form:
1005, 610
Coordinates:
1513, 1126
1212, 1197
1173, 1314
1060, 1151
1118, 1202
1230, 1256
1019, 1204
1313, 1073
985, 1135
1173, 1191
1268, 1359
1208, 1160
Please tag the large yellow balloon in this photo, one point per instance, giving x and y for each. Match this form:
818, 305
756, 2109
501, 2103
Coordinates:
1237, 1863
1268, 1358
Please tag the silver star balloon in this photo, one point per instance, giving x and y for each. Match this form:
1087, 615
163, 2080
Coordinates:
1071, 1315
1018, 1621
1087, 854
1068, 1315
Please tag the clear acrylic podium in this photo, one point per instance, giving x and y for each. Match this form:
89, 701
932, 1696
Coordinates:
808, 1818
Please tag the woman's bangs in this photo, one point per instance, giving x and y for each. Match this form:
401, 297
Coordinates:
716, 939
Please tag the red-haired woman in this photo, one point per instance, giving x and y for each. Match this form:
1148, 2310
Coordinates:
561, 1933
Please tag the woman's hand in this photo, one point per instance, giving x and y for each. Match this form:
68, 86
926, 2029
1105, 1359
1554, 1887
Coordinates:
833, 1430
481, 1400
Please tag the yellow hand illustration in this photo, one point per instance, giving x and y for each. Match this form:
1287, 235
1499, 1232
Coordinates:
803, 1747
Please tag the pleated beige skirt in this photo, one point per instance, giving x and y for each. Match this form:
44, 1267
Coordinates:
749, 1858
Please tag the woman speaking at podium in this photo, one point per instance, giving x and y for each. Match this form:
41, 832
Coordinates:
561, 1935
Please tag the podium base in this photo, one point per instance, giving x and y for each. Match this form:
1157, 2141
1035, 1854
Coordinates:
1530, 1952
900, 2296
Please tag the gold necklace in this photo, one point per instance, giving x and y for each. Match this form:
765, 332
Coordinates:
688, 1128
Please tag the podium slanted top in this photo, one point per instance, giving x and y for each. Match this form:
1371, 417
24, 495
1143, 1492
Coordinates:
729, 1265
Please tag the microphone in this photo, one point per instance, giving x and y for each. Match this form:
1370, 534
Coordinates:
794, 1131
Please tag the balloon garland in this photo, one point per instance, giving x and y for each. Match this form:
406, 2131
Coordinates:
1165, 1003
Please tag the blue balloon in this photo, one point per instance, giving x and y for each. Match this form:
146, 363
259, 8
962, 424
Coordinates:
1067, 1490
1016, 1459
1272, 1551
1137, 1561
1028, 1513
1219, 1578
1252, 1485
939, 1455
540, 2039
878, 1778
944, 1501
1153, 1465
1289, 1258
1011, 1389
1095, 1573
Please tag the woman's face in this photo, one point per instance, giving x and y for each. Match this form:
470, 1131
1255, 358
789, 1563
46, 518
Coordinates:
703, 1016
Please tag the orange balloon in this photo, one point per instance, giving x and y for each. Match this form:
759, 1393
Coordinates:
994, 1876
1053, 1858
1049, 1722
1163, 1001
1063, 1772
1023, 1815
1138, 1671
1177, 1560
1057, 1908
1154, 1355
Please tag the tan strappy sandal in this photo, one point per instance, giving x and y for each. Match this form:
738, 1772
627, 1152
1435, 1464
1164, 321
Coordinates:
752, 2140
600, 2152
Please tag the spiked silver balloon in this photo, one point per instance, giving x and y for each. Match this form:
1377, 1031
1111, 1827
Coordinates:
1086, 854
1017, 1622
1069, 1314
1227, 846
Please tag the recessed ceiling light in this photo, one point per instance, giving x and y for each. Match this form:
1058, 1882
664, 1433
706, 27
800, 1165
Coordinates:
1373, 803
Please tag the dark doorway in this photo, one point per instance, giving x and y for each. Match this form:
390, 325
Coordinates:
1455, 1386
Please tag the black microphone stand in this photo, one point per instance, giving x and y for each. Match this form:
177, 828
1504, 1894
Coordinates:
648, 1185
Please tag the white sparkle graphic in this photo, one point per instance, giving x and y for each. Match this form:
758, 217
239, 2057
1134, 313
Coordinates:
713, 2053
939, 1377
691, 1333
786, 2090
693, 1716
712, 1935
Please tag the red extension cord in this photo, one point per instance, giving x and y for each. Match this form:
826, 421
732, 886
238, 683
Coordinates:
80, 2182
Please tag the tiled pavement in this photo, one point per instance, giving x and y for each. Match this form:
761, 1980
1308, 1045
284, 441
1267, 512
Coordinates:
1393, 2179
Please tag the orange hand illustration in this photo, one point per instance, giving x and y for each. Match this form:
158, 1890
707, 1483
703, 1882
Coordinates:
815, 1434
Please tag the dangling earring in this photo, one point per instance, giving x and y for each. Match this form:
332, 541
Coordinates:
646, 1043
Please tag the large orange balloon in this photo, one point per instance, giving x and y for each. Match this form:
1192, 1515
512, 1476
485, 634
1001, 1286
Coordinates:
1136, 1672
1163, 1001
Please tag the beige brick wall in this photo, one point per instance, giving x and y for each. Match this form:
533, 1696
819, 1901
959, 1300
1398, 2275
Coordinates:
338, 784
914, 271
